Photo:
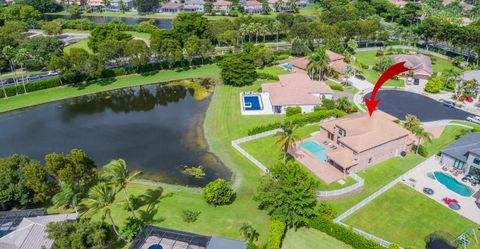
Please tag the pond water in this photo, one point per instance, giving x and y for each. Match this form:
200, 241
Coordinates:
156, 129
161, 23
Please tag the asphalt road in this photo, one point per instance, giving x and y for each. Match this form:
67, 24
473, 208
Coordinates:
401, 103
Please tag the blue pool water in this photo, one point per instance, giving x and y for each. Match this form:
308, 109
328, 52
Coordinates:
452, 184
252, 103
287, 66
316, 149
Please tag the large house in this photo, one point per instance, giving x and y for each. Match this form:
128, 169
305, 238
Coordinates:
296, 89
194, 6
222, 6
31, 232
171, 7
336, 62
360, 141
421, 64
253, 7
463, 154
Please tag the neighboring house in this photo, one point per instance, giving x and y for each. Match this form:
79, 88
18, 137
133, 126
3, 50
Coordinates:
398, 3
463, 154
168, 238
253, 7
93, 4
222, 6
421, 64
171, 7
337, 62
472, 75
361, 141
31, 232
194, 6
115, 5
464, 21
296, 89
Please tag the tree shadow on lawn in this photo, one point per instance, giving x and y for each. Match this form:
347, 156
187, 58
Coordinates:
150, 201
101, 82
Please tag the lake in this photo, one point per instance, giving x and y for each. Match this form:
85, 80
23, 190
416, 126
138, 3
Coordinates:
161, 23
156, 129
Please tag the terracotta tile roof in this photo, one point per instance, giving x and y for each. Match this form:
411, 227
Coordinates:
253, 3
334, 56
343, 157
171, 5
364, 132
222, 3
421, 64
336, 62
296, 89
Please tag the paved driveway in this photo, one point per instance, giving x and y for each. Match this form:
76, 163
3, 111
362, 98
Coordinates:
401, 103
360, 84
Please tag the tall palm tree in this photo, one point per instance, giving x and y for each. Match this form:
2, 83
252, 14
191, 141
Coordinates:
276, 28
263, 31
118, 174
243, 32
66, 196
100, 199
422, 134
249, 233
411, 122
8, 53
20, 57
287, 138
318, 62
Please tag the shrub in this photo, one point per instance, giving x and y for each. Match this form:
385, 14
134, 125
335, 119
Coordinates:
233, 13
379, 53
433, 85
31, 87
326, 210
275, 234
343, 234
451, 84
328, 103
422, 150
218, 193
319, 108
293, 110
364, 66
132, 228
281, 57
394, 246
336, 87
189, 215
267, 76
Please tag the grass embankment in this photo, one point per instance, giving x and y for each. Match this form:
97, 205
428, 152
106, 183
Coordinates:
448, 136
305, 238
81, 44
58, 93
403, 215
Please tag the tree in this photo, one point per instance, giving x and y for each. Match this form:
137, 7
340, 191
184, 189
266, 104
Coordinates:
118, 174
52, 28
249, 233
262, 55
266, 7
20, 58
168, 49
218, 193
146, 6
100, 200
192, 47
344, 104
188, 24
138, 53
66, 197
113, 50
77, 65
44, 6
287, 138
9, 53
434, 85
349, 71
238, 69
106, 32
288, 194
41, 49
79, 234
383, 63
276, 28
352, 45
318, 63
74, 11
411, 122
421, 134
22, 13
132, 228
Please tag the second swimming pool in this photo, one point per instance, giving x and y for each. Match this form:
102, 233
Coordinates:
316, 149
452, 184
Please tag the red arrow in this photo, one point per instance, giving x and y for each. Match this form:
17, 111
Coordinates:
388, 74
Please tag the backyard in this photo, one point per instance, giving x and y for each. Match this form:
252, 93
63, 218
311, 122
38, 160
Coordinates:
311, 238
405, 216
448, 136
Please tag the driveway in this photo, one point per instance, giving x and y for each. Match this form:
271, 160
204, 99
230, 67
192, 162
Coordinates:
401, 103
360, 84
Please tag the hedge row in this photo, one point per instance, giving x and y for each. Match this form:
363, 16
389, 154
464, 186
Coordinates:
300, 119
293, 111
267, 76
343, 234
31, 87
275, 234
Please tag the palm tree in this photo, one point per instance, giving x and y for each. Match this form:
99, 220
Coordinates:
243, 32
276, 28
318, 62
20, 58
100, 199
67, 196
263, 31
9, 54
249, 233
118, 174
287, 138
411, 122
348, 71
422, 134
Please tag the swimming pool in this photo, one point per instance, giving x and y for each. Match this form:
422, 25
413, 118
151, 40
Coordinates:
287, 66
252, 103
452, 184
316, 149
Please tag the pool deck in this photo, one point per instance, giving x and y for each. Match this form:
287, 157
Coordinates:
468, 207
266, 104
326, 172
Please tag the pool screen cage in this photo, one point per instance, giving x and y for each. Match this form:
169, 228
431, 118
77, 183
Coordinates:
169, 239
9, 220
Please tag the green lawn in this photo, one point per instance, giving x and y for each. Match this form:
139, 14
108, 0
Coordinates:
441, 65
311, 10
376, 177
274, 70
447, 137
81, 44
58, 93
369, 58
305, 238
403, 215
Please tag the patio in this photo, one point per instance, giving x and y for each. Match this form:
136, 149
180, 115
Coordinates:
419, 180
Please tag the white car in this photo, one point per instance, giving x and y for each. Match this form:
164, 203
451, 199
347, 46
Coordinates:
409, 80
474, 119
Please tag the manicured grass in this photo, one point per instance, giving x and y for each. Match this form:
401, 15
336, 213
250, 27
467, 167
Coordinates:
274, 70
447, 137
311, 10
376, 177
369, 58
441, 65
403, 215
58, 93
305, 238
81, 44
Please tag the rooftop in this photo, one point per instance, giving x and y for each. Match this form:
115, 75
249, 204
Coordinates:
296, 89
253, 3
472, 75
222, 3
421, 64
171, 5
470, 143
336, 62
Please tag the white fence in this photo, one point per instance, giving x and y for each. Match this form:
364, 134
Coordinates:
380, 241
345, 190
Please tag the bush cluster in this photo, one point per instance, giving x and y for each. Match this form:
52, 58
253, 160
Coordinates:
276, 233
218, 193
267, 76
343, 234
132, 228
189, 215
31, 87
336, 87
293, 110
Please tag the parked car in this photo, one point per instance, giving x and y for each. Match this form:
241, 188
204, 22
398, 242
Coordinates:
409, 80
360, 77
416, 82
478, 202
449, 104
469, 99
474, 119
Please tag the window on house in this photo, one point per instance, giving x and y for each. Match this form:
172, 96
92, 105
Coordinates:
476, 161
342, 132
370, 160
